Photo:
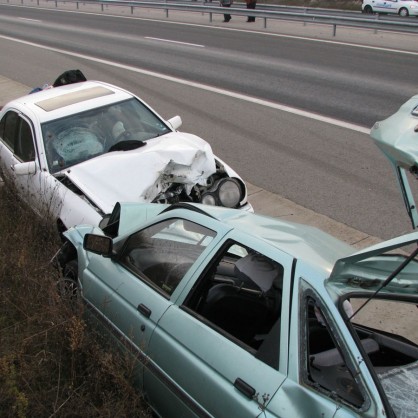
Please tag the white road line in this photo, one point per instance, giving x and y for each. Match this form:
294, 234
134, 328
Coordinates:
174, 42
30, 20
246, 98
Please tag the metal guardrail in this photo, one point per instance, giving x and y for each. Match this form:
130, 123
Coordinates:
365, 21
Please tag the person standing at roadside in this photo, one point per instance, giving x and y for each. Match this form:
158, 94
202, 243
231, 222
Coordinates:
251, 5
226, 3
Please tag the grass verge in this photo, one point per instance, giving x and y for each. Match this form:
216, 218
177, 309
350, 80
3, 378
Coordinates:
51, 363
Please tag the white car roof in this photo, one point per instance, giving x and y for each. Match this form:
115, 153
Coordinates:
56, 102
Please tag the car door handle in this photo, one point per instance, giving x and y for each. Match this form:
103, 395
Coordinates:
12, 167
144, 310
244, 388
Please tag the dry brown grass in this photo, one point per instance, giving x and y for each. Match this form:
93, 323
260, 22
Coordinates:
51, 363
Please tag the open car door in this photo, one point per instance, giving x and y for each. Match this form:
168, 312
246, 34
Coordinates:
397, 138
381, 285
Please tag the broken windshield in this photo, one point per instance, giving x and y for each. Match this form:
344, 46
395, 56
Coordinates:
80, 137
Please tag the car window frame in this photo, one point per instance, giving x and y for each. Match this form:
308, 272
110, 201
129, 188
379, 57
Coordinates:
191, 295
147, 280
307, 292
3, 125
13, 148
19, 139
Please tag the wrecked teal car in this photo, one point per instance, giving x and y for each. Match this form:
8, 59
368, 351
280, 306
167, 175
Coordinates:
231, 314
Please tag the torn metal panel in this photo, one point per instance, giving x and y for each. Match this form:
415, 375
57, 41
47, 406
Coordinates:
197, 172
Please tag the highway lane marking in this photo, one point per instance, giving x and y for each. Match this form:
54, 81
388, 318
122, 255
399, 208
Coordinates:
174, 42
250, 99
30, 20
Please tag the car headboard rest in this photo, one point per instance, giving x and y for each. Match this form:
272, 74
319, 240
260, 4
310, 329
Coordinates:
258, 269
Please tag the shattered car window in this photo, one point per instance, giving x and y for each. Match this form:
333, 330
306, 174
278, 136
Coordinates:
77, 138
391, 325
163, 253
327, 369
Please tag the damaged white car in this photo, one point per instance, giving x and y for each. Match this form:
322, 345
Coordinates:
73, 151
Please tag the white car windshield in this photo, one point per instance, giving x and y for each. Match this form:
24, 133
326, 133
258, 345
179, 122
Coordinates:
80, 137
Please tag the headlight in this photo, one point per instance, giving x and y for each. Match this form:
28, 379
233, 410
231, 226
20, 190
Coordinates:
225, 192
208, 199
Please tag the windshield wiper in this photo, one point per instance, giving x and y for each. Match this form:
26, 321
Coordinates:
127, 145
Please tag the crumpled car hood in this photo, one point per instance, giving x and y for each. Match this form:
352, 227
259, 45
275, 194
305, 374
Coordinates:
140, 175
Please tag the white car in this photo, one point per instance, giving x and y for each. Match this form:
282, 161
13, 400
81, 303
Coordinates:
72, 152
401, 7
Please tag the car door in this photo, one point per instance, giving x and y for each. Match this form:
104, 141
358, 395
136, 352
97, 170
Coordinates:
22, 167
130, 294
386, 6
11, 128
328, 376
221, 350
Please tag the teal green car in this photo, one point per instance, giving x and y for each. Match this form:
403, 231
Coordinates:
235, 315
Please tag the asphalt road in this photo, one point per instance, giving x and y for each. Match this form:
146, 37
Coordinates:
331, 168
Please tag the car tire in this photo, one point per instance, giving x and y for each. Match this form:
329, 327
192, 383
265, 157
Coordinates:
368, 10
68, 284
403, 12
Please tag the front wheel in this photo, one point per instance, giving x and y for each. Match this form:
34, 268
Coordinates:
403, 12
68, 284
368, 10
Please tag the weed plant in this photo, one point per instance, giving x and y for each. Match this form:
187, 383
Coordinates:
51, 363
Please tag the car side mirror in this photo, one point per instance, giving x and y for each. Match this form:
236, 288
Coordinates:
22, 169
175, 122
98, 244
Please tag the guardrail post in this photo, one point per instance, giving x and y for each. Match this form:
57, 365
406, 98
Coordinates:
132, 10
210, 17
265, 23
102, 7
166, 13
305, 12
56, 3
334, 30
77, 5
376, 18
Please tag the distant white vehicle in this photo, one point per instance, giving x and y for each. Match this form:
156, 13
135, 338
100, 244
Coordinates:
74, 151
401, 7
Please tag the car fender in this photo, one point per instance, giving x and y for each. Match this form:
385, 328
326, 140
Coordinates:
75, 210
75, 236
